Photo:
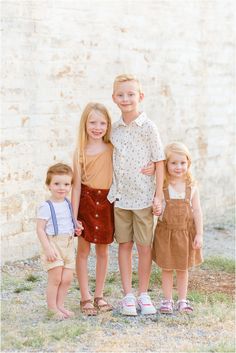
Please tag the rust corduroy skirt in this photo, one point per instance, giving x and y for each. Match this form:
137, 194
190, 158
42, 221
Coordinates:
97, 215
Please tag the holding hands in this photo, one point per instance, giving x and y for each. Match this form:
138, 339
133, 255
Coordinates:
79, 228
157, 206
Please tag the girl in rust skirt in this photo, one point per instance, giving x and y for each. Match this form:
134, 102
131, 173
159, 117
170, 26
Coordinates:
92, 181
179, 231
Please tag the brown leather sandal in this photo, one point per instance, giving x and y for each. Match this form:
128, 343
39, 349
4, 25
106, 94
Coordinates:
88, 311
102, 307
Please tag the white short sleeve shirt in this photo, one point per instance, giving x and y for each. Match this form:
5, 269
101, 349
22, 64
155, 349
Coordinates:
135, 145
63, 215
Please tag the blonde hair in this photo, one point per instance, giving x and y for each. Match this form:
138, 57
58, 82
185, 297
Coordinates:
178, 148
82, 139
125, 78
58, 169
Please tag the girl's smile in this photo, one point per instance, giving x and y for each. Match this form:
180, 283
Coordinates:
177, 165
96, 125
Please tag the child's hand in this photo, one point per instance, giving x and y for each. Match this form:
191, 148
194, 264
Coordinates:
157, 206
149, 169
198, 240
79, 228
51, 254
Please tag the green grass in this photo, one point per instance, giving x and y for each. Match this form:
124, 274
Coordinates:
113, 277
69, 332
8, 281
211, 298
35, 341
22, 288
222, 347
219, 264
135, 279
32, 278
32, 331
155, 278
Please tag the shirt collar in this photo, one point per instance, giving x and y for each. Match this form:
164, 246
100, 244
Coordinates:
139, 120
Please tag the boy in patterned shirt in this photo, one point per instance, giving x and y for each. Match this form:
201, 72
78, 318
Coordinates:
136, 142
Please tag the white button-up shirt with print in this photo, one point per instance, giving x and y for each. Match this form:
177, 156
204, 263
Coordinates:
135, 145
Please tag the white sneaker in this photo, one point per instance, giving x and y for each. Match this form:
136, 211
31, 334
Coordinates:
145, 304
129, 305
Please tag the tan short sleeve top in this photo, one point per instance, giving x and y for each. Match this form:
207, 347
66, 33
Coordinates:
96, 172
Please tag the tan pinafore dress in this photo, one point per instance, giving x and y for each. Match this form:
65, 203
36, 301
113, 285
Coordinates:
174, 235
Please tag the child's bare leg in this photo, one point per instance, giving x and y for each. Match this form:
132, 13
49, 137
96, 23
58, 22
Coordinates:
83, 251
54, 280
167, 284
66, 279
101, 269
125, 265
144, 267
182, 284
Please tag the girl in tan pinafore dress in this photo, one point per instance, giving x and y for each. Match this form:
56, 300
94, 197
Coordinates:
178, 235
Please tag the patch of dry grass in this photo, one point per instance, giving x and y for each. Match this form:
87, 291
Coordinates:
26, 326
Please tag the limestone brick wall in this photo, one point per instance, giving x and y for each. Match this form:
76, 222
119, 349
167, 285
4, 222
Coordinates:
58, 55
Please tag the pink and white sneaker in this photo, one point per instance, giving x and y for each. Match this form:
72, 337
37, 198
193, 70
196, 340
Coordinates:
129, 305
145, 304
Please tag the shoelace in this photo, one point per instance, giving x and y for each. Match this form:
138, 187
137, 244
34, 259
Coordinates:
130, 301
145, 299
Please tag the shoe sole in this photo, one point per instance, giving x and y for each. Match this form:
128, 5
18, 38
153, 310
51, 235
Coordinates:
126, 313
153, 312
166, 312
150, 313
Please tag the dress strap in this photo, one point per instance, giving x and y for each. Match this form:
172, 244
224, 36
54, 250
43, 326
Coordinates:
54, 218
71, 212
166, 194
187, 193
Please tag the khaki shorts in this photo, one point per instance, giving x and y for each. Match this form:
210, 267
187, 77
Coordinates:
64, 246
134, 225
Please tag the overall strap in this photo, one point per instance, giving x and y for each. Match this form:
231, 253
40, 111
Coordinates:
166, 194
54, 218
71, 212
187, 193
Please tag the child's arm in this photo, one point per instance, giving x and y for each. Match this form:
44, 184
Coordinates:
197, 215
157, 201
149, 169
75, 194
49, 251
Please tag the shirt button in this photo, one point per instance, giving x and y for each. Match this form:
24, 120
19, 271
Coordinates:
97, 203
99, 191
96, 227
95, 239
96, 215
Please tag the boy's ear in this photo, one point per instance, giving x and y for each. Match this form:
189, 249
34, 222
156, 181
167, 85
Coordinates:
141, 96
113, 98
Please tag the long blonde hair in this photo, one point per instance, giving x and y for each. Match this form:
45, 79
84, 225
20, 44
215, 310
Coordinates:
178, 148
82, 139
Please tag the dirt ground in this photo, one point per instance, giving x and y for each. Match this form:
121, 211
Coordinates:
26, 327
